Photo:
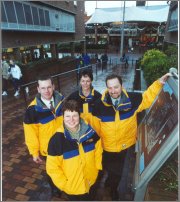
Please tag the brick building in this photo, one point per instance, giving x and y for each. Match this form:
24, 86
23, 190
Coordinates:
28, 26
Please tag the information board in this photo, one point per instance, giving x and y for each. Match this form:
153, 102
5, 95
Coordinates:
157, 125
157, 136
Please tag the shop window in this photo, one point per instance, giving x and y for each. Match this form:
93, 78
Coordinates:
9, 6
47, 18
20, 12
4, 19
41, 16
28, 15
35, 15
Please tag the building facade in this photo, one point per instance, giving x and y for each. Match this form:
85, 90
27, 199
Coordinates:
171, 36
32, 25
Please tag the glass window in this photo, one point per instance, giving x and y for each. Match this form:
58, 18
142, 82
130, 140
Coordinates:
41, 16
19, 12
10, 11
28, 15
75, 3
47, 18
4, 19
35, 15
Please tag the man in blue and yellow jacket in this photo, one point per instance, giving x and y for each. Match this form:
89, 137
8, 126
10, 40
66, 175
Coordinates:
114, 116
43, 116
74, 155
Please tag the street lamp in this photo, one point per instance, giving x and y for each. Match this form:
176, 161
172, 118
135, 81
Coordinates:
84, 46
122, 32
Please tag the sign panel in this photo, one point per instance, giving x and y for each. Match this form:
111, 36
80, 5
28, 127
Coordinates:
157, 125
157, 136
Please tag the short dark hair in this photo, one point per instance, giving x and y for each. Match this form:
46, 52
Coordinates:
85, 73
44, 78
70, 105
114, 76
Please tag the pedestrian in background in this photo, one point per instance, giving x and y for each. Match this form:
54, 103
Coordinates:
74, 155
15, 74
104, 60
5, 75
116, 115
42, 118
86, 59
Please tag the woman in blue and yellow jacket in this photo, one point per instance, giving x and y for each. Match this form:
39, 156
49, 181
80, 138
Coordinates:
74, 155
86, 95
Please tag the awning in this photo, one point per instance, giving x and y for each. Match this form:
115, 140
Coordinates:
132, 14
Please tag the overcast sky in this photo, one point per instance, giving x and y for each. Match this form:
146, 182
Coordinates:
91, 5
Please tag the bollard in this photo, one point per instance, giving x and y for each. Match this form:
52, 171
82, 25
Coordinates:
58, 83
24, 95
96, 68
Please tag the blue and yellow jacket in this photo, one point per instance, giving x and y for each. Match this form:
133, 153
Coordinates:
118, 127
73, 165
40, 123
85, 103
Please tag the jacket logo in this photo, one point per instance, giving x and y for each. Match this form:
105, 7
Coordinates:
90, 140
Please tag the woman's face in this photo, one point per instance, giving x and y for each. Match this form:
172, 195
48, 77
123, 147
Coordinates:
85, 83
71, 120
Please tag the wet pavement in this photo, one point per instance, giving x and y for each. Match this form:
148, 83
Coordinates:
22, 179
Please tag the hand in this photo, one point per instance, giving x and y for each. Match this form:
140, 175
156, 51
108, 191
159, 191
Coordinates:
37, 159
164, 78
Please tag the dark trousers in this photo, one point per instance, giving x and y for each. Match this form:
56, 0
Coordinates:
113, 163
16, 83
82, 197
85, 197
4, 84
54, 190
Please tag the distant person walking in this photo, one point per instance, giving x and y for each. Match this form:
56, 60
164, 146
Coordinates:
16, 75
104, 60
5, 75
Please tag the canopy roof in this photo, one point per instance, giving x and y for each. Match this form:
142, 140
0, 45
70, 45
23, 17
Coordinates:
135, 13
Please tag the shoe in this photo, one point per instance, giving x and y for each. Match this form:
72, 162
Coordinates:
4, 93
56, 192
16, 93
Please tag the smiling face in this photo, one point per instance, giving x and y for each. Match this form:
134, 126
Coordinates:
46, 89
114, 88
71, 120
85, 83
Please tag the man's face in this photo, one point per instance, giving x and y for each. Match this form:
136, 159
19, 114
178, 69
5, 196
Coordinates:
114, 88
71, 120
85, 83
46, 89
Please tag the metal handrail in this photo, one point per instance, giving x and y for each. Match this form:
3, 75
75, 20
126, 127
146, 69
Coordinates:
99, 65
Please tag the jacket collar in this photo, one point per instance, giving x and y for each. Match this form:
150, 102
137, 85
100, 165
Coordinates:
124, 105
86, 132
89, 97
58, 98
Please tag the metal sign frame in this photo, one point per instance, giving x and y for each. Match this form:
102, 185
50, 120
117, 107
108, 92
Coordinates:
143, 176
